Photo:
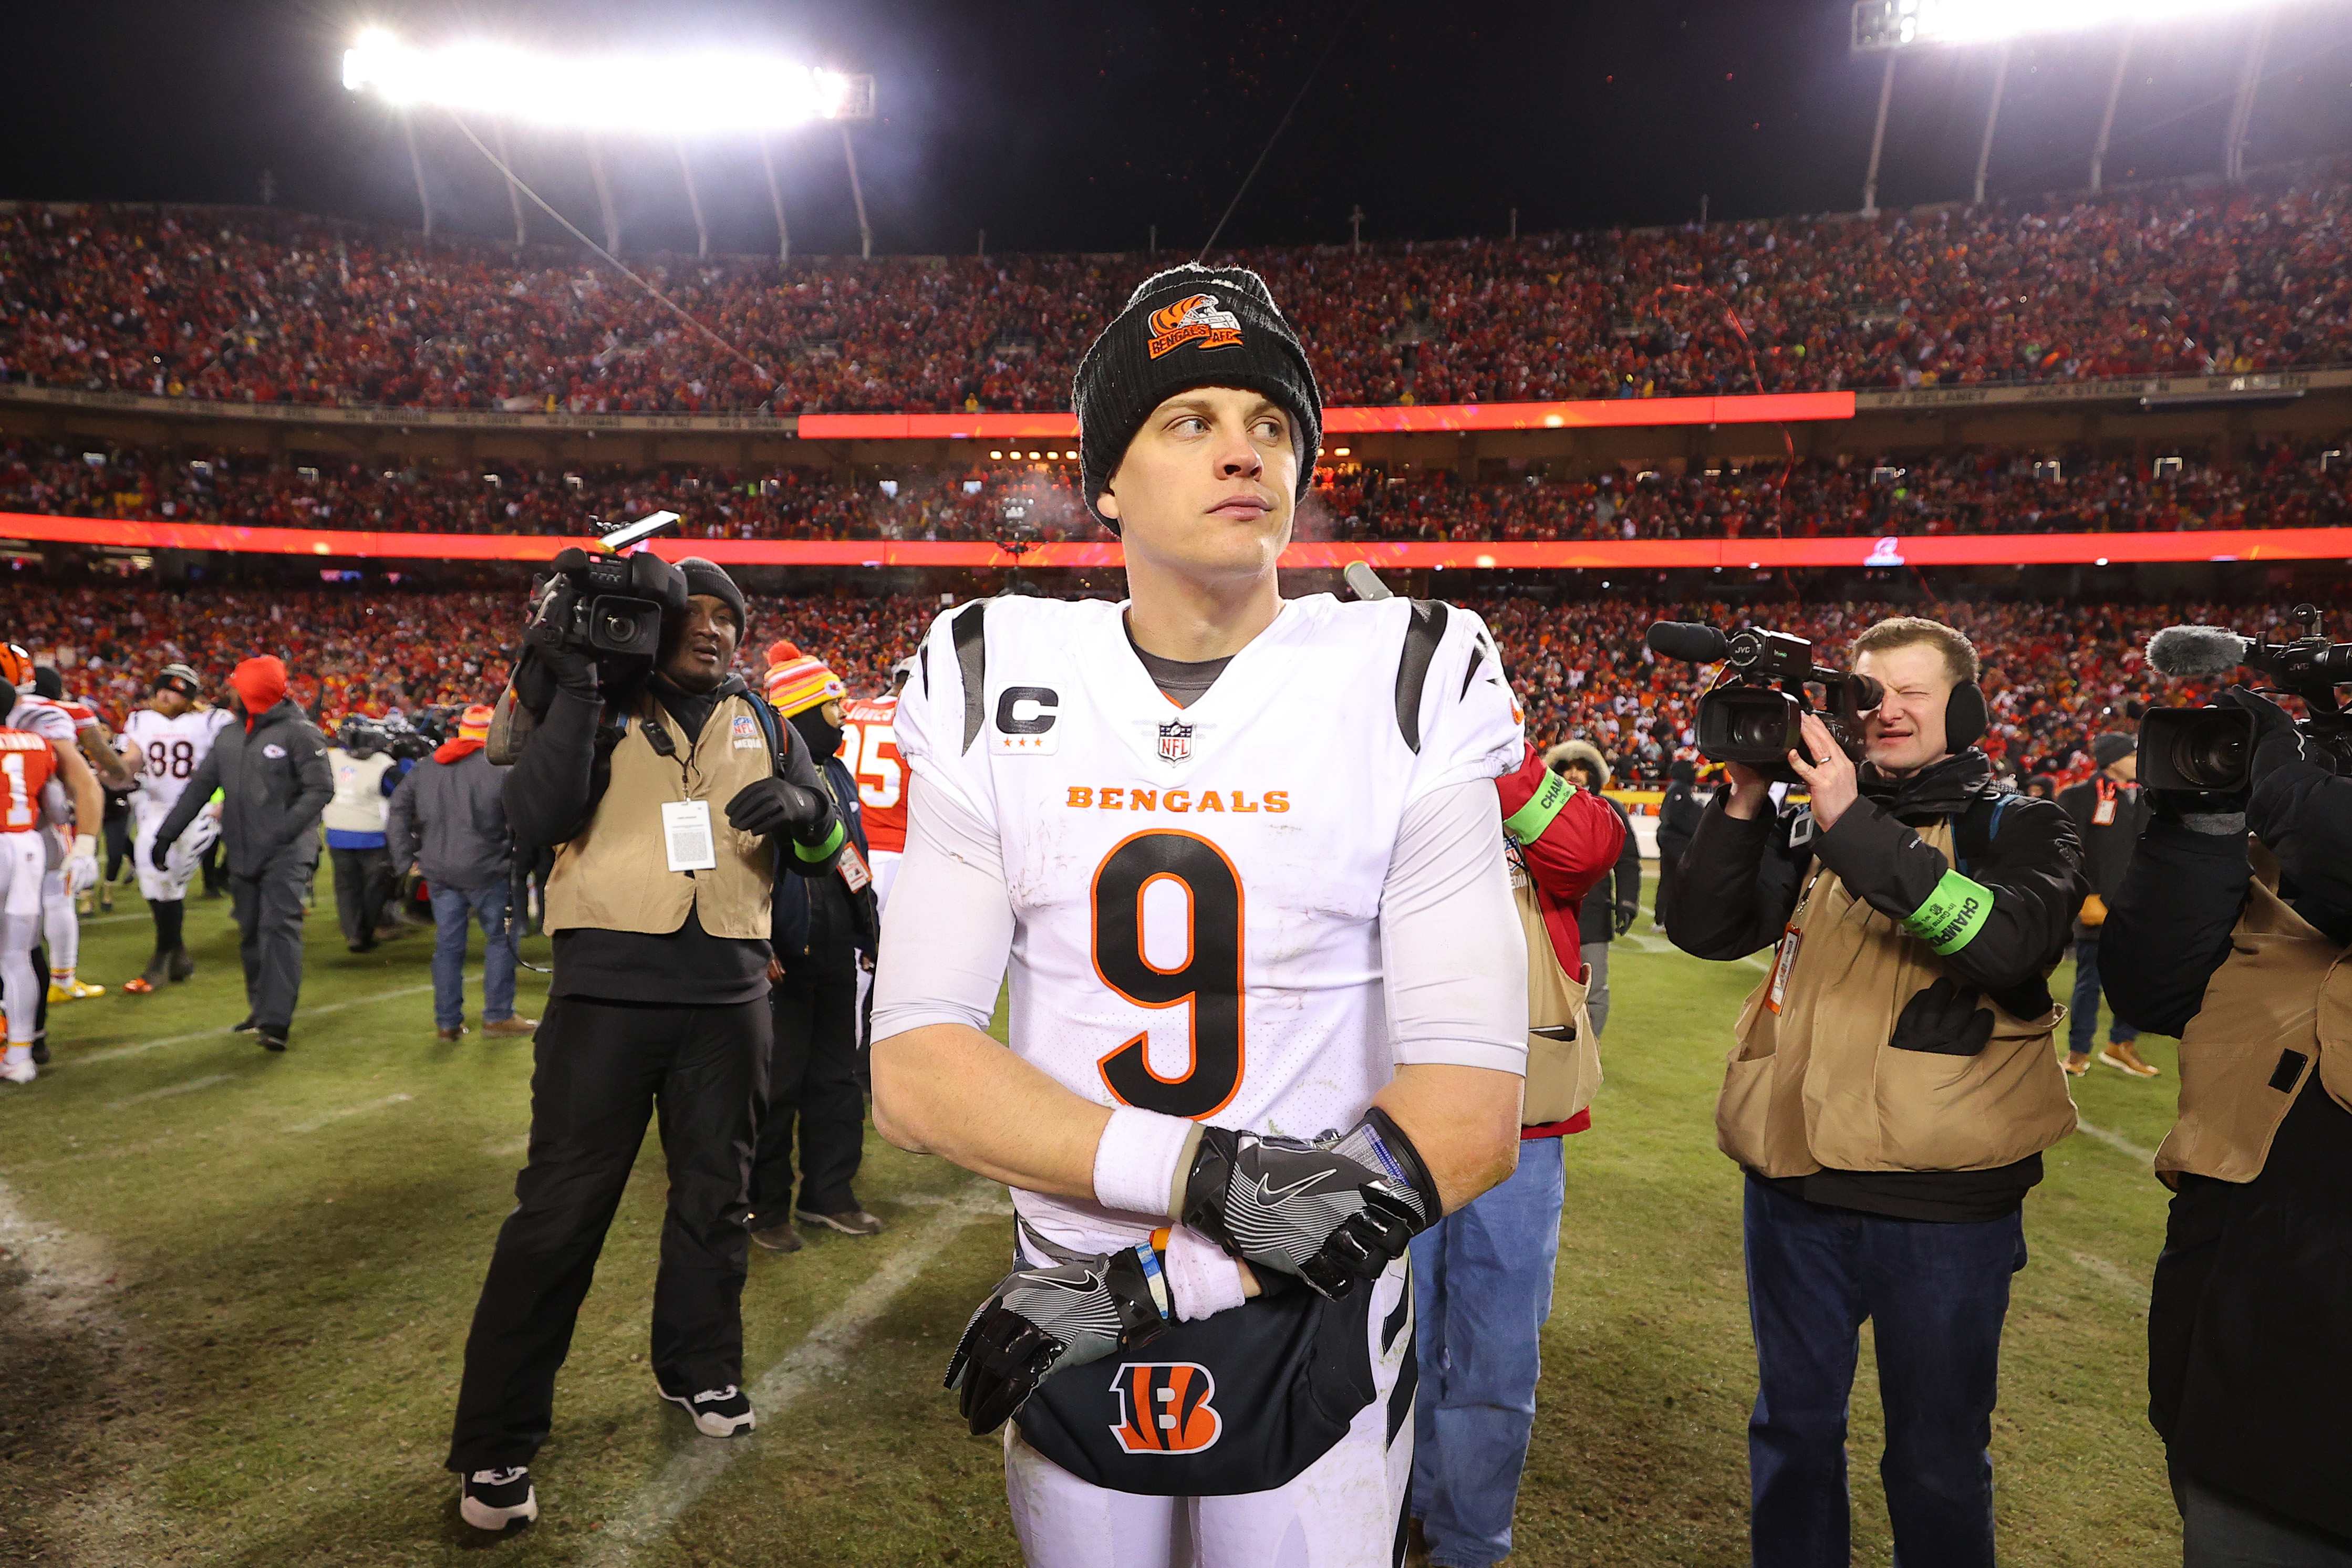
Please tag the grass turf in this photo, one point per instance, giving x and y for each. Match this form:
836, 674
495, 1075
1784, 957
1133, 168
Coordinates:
234, 1290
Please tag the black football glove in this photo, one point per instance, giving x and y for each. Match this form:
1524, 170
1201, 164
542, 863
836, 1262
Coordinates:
1623, 919
162, 847
1334, 1215
1039, 1322
1945, 1021
773, 806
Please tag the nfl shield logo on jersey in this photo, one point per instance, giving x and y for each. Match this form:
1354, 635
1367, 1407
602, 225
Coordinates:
1175, 740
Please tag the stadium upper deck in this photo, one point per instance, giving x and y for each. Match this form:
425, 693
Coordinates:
259, 307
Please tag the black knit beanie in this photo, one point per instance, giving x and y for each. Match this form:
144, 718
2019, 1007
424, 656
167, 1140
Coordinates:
709, 577
1191, 326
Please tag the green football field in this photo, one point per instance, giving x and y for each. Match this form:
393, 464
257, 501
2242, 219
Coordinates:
233, 1289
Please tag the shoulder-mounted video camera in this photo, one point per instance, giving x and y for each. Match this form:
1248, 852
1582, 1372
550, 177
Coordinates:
2210, 747
609, 607
1753, 713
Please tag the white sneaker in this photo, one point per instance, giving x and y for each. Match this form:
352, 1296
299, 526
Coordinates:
19, 1072
716, 1412
498, 1500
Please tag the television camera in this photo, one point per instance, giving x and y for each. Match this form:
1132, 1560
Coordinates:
1753, 711
2211, 748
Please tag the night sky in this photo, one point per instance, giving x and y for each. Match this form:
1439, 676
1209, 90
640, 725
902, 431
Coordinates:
1077, 126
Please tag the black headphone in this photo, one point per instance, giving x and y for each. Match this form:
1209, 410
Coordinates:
1965, 718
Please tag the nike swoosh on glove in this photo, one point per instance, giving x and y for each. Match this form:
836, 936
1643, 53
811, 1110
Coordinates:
1943, 1020
1039, 1322
771, 806
1334, 1215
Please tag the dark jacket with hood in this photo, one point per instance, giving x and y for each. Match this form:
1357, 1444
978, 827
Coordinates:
1739, 881
275, 784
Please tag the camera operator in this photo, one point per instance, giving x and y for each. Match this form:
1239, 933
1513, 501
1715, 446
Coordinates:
357, 821
2248, 1382
1678, 815
1893, 1089
2109, 812
659, 1000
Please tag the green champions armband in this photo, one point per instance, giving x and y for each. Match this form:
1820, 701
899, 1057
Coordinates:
1952, 916
1527, 823
814, 853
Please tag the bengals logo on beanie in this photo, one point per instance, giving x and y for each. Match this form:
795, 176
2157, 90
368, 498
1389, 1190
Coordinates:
1191, 326
1194, 320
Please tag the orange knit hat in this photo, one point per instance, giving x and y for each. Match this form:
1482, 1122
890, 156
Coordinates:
797, 683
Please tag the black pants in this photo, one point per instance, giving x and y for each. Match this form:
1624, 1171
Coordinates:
362, 883
118, 843
268, 910
601, 1069
812, 1092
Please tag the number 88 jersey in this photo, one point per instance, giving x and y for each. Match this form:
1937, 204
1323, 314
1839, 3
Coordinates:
1196, 891
170, 750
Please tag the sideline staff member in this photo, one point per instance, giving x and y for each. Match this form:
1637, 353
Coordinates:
660, 903
1893, 1089
2248, 1381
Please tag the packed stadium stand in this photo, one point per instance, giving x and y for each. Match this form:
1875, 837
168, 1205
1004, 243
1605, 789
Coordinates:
275, 309
2057, 673
1970, 490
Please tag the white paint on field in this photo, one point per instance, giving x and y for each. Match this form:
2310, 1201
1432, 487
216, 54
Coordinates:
330, 1117
2116, 1142
825, 1354
2121, 1279
169, 1090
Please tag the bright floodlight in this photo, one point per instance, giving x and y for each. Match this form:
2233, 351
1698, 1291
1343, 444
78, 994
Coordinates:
1897, 24
679, 94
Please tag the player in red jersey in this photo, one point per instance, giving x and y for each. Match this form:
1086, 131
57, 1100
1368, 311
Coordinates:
27, 764
869, 750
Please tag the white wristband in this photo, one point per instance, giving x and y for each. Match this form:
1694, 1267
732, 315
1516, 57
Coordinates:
1136, 1161
1201, 1280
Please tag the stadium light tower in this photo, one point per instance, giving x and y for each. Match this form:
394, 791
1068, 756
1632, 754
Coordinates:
691, 94
1891, 26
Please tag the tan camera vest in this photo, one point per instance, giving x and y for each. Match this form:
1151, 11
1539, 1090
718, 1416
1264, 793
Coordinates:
2278, 1008
1815, 1084
1563, 1056
615, 875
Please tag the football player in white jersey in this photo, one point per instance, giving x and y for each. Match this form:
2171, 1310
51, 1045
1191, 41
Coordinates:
83, 803
1268, 1009
60, 924
166, 741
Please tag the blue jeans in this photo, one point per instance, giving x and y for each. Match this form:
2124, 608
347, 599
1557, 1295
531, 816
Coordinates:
1482, 1289
452, 907
2083, 1015
1936, 1295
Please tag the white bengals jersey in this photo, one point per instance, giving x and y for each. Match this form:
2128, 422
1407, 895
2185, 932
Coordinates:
170, 749
1196, 891
44, 718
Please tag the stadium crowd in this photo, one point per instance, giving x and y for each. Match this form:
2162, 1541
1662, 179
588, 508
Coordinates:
2057, 673
1980, 490
189, 302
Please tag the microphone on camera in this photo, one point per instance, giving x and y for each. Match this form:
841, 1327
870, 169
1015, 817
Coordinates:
1688, 639
2188, 651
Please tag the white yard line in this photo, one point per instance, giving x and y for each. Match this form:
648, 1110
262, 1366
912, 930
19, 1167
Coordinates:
2115, 1274
171, 1089
328, 1118
2116, 1142
301, 1015
825, 1354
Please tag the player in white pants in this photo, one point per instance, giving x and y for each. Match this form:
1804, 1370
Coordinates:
1268, 1013
60, 922
169, 738
27, 770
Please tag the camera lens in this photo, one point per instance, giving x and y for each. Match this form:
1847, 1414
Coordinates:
2211, 754
618, 630
1759, 728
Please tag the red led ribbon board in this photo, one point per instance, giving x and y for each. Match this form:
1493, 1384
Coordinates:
1612, 412
1892, 551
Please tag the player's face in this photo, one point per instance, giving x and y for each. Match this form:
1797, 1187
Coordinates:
1906, 733
170, 702
1207, 483
705, 647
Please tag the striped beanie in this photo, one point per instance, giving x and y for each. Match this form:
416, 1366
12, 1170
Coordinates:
474, 724
797, 683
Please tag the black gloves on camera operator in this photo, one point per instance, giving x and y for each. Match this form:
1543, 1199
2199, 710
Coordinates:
553, 659
793, 804
1333, 1214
